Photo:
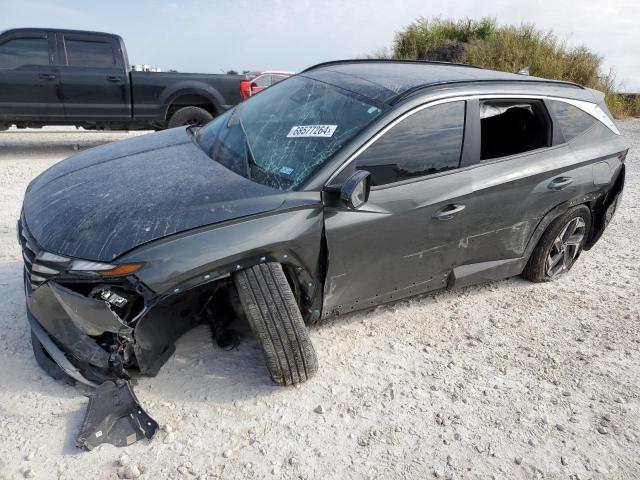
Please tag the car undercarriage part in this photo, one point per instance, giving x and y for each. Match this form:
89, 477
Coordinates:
274, 316
217, 310
114, 416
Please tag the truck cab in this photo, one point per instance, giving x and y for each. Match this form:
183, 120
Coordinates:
50, 76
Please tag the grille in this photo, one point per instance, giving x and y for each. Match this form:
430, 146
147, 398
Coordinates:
39, 265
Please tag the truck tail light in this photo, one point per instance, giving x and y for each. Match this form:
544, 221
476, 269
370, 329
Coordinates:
245, 89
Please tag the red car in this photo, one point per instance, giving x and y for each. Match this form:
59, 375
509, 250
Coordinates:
260, 81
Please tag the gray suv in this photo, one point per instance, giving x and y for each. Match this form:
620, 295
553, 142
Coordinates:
352, 184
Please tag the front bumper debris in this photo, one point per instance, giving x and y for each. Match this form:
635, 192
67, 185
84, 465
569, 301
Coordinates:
114, 416
55, 353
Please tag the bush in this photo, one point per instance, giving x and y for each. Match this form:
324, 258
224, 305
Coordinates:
508, 48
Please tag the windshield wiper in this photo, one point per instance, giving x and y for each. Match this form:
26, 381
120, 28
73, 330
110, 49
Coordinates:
249, 158
249, 161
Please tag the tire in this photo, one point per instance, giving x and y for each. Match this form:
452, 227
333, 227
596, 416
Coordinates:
275, 319
574, 226
47, 364
189, 116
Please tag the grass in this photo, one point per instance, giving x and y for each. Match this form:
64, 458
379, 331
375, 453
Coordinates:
509, 48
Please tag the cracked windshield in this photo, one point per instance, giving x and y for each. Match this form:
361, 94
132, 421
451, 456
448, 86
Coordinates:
284, 134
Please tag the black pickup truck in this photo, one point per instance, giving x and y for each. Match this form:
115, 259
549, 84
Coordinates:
70, 77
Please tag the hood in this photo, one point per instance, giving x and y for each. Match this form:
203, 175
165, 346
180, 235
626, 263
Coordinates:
101, 203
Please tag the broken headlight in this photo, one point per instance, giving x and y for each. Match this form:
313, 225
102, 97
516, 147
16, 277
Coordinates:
125, 304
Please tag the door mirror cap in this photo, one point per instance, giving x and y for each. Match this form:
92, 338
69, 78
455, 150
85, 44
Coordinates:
355, 190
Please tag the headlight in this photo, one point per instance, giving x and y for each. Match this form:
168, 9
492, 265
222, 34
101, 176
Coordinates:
104, 269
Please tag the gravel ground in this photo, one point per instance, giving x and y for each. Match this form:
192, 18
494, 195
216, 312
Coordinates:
503, 380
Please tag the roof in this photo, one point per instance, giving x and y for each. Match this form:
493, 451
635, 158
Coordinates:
390, 81
56, 30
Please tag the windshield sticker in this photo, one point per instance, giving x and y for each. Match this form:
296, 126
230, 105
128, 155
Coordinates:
373, 110
286, 170
300, 131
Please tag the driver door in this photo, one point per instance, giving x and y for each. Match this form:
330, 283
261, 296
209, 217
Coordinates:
406, 238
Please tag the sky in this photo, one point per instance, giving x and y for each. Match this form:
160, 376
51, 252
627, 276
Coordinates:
217, 35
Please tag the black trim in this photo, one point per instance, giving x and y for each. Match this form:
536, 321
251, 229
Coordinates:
556, 131
471, 146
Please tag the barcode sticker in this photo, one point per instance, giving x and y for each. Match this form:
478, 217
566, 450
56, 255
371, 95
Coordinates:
299, 131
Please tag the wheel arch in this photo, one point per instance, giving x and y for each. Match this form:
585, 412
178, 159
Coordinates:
196, 95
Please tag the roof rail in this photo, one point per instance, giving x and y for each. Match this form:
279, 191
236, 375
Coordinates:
385, 60
411, 91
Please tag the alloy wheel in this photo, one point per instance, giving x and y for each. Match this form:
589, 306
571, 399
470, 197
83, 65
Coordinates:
565, 247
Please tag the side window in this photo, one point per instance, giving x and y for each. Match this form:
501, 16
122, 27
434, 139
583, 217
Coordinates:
263, 81
509, 127
572, 120
277, 78
427, 142
83, 53
21, 52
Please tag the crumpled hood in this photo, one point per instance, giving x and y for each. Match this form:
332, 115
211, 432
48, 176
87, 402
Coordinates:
101, 203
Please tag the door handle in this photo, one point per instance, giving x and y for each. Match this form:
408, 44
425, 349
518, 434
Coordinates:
47, 76
448, 211
114, 78
559, 183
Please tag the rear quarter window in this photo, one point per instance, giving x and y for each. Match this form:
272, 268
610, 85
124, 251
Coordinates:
573, 121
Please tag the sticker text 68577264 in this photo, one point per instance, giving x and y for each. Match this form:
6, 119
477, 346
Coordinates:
299, 131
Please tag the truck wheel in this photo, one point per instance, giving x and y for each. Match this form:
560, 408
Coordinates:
560, 246
47, 364
189, 116
275, 319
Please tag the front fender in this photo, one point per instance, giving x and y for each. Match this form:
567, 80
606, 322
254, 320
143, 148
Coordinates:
184, 261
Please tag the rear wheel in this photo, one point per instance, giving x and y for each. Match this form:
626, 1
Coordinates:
275, 319
189, 116
560, 246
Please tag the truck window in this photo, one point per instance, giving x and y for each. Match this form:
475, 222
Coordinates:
21, 52
84, 53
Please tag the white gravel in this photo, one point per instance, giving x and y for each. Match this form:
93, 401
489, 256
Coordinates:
504, 380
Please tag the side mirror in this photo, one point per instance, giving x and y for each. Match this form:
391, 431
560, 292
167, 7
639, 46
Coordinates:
254, 84
355, 190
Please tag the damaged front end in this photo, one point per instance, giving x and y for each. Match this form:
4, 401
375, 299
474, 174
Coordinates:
83, 316
98, 324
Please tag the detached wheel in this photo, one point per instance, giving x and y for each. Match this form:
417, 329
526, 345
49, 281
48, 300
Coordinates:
189, 116
46, 362
275, 319
560, 246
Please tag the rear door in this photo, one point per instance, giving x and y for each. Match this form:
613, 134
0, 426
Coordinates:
523, 170
405, 239
28, 80
94, 81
